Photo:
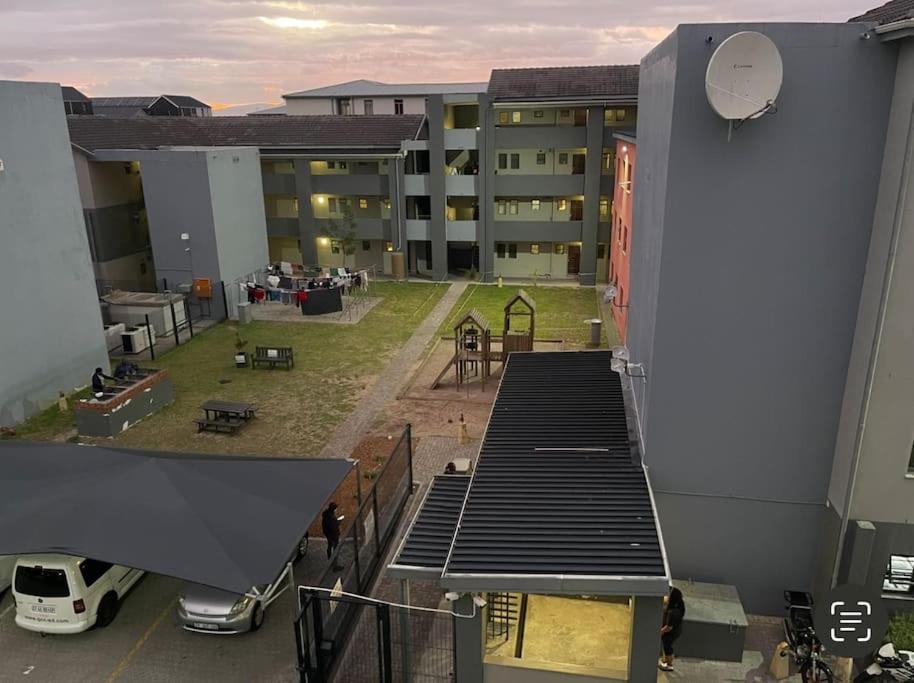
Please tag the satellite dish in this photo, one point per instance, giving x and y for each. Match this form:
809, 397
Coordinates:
744, 76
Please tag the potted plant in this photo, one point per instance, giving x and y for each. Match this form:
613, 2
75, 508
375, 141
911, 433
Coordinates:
241, 356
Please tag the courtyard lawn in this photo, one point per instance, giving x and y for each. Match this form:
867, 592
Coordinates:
560, 311
297, 409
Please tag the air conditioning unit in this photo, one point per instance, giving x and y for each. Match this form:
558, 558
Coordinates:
138, 338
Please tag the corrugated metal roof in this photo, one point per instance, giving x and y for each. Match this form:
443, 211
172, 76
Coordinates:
890, 12
71, 94
425, 547
557, 492
366, 88
151, 132
613, 81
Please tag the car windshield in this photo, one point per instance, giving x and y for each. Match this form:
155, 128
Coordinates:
42, 582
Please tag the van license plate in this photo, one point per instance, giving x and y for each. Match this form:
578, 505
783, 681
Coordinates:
206, 627
44, 609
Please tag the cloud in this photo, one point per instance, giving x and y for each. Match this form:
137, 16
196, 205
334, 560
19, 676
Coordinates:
236, 51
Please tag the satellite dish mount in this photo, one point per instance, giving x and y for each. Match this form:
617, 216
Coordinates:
744, 78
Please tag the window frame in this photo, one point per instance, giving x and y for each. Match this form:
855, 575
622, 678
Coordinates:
332, 205
500, 250
92, 570
562, 204
535, 248
512, 250
368, 105
503, 117
513, 207
604, 207
540, 155
501, 208
366, 245
398, 107
563, 158
502, 160
535, 205
363, 203
515, 161
516, 117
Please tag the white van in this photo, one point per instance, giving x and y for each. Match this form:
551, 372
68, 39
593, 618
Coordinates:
65, 594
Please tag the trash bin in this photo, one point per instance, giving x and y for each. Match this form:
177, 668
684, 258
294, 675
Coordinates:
244, 312
595, 329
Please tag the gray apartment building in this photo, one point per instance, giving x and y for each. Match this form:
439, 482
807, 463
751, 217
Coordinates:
769, 304
51, 338
511, 178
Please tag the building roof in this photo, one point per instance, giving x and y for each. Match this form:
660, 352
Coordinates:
365, 88
152, 132
611, 82
71, 94
890, 12
424, 548
143, 101
185, 101
165, 513
558, 501
271, 111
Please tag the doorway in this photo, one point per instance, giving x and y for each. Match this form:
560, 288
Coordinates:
574, 259
577, 164
577, 210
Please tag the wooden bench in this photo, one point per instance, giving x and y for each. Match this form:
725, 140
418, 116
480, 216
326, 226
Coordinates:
220, 425
273, 356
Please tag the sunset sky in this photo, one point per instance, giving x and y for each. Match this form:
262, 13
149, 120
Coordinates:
231, 52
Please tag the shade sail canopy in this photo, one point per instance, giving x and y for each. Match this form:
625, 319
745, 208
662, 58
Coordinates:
224, 521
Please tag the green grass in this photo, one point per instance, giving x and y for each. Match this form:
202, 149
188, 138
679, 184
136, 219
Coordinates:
298, 409
560, 311
52, 422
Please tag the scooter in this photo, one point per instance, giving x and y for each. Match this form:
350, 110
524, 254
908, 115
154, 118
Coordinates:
889, 664
802, 643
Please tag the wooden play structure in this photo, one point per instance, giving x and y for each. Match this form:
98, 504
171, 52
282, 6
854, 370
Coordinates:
473, 341
519, 306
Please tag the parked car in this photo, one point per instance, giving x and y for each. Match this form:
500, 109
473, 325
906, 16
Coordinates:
899, 577
7, 564
209, 610
66, 594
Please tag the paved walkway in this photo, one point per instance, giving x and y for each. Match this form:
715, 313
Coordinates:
392, 380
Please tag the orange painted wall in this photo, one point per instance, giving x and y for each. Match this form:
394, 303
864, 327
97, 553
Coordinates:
621, 241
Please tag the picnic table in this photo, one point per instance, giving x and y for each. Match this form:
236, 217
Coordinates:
225, 416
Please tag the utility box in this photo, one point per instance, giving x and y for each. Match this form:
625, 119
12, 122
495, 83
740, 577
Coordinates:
715, 623
245, 315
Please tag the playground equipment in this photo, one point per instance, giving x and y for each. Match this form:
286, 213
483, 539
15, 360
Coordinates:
519, 306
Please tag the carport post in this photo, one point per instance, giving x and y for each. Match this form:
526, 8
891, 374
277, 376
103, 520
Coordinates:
174, 323
407, 636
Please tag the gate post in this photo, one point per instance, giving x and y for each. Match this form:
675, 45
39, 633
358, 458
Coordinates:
406, 636
469, 642
384, 649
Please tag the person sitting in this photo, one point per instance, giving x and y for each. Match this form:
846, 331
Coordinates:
98, 381
450, 468
125, 369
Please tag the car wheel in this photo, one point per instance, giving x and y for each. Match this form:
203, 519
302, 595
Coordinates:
107, 610
257, 617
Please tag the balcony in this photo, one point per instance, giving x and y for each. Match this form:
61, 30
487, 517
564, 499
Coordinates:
461, 138
282, 227
538, 137
279, 183
537, 231
415, 185
461, 231
354, 184
539, 185
417, 229
461, 185
365, 228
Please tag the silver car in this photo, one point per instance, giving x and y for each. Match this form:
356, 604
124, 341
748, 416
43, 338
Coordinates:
210, 610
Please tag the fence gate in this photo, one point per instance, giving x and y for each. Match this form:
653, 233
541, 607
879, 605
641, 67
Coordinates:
387, 644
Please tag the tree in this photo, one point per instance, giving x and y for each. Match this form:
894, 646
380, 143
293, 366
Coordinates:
343, 232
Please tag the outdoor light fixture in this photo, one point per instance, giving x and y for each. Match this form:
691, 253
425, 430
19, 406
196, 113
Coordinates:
609, 296
321, 199
323, 241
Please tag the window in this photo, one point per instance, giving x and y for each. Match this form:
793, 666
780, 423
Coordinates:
515, 161
515, 117
343, 165
620, 114
564, 113
537, 113
609, 115
500, 250
388, 246
502, 117
513, 207
41, 582
899, 575
501, 207
331, 205
534, 204
369, 107
502, 160
608, 160
534, 249
540, 158
563, 205
331, 164
387, 204
398, 106
560, 248
366, 245
604, 207
363, 203
343, 106
512, 251
601, 251
335, 247
563, 158
92, 570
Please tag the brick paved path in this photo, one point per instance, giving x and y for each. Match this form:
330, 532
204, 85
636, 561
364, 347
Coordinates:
392, 379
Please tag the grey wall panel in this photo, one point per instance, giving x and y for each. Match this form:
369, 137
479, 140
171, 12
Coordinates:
537, 231
396, 182
279, 183
540, 137
52, 338
435, 112
592, 178
282, 227
486, 185
307, 231
350, 185
116, 231
538, 185
365, 228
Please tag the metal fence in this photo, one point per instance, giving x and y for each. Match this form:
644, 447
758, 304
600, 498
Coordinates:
325, 621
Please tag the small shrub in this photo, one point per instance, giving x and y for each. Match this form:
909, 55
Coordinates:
901, 631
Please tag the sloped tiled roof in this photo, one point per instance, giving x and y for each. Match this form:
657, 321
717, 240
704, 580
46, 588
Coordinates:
71, 94
565, 82
890, 12
365, 88
185, 101
151, 132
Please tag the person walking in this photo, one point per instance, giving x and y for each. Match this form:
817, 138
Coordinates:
330, 524
673, 614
